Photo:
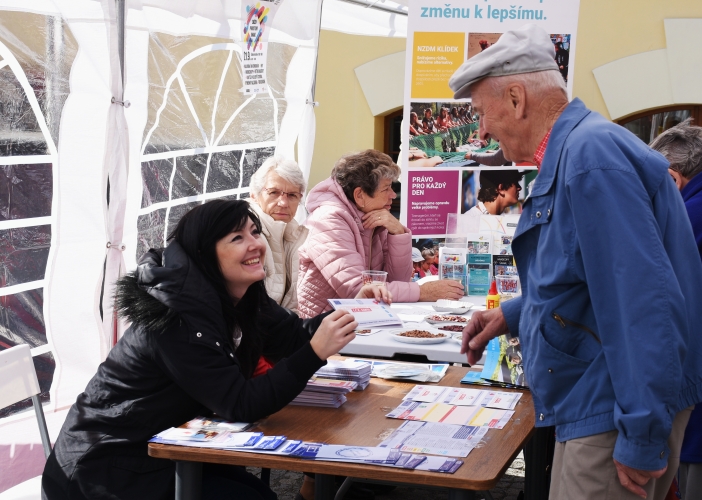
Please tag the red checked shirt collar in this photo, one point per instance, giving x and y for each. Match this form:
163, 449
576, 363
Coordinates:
541, 150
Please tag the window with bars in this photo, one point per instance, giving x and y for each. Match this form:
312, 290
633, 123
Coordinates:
204, 138
650, 124
36, 54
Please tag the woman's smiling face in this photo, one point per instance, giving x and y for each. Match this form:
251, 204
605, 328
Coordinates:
240, 255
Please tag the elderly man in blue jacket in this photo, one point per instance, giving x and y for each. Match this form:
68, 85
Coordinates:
609, 316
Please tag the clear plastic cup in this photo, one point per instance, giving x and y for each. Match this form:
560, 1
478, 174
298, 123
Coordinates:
375, 278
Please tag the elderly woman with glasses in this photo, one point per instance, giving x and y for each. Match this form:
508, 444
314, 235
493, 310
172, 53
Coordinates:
352, 230
276, 192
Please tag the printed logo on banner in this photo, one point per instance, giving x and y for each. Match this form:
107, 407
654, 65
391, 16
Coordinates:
256, 17
255, 26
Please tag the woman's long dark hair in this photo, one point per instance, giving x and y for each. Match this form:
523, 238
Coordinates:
198, 232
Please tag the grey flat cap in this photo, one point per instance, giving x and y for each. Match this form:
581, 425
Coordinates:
526, 50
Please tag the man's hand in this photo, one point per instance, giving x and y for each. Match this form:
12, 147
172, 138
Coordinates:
431, 291
633, 479
483, 326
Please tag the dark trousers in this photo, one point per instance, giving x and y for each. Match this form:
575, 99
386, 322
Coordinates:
228, 482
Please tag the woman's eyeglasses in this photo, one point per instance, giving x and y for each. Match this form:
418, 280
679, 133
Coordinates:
277, 193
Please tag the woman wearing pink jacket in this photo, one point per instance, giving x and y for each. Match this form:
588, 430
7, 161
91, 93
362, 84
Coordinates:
351, 230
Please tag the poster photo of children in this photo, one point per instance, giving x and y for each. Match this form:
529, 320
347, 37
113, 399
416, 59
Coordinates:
443, 133
425, 257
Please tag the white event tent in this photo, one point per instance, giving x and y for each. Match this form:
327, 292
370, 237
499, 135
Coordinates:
116, 117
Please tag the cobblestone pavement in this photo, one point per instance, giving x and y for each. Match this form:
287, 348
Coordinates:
286, 484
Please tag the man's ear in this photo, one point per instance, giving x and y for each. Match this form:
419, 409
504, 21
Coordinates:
517, 99
680, 180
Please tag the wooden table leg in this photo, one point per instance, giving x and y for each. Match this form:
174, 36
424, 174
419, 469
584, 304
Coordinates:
461, 494
188, 480
324, 487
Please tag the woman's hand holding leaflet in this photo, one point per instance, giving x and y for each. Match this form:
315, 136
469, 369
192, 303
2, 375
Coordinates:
333, 334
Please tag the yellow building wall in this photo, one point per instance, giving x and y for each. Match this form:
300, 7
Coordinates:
344, 120
607, 30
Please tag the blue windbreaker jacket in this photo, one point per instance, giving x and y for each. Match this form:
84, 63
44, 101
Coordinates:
610, 314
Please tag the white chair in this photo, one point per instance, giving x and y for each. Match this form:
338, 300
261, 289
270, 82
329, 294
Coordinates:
18, 381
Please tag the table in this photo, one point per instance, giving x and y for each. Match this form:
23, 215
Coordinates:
360, 421
382, 344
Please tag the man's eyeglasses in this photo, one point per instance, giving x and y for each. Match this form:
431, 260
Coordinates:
277, 193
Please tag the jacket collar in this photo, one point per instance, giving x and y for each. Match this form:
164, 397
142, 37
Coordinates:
571, 116
692, 188
276, 229
171, 277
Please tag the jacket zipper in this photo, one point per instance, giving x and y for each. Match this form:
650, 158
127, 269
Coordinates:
565, 321
370, 252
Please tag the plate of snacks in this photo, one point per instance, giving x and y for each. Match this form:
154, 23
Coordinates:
452, 306
419, 336
445, 318
458, 337
454, 329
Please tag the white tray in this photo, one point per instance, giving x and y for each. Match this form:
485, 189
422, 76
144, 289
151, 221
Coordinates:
452, 306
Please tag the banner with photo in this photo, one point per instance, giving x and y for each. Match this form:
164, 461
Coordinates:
446, 167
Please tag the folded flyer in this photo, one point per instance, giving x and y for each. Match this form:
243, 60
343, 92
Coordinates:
383, 456
205, 438
368, 312
463, 397
217, 424
452, 414
435, 438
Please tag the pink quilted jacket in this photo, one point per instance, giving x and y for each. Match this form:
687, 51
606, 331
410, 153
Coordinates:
338, 248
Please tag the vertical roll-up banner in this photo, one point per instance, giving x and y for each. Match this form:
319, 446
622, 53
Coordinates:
440, 174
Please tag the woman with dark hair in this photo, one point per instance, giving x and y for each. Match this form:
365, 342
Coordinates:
352, 230
200, 320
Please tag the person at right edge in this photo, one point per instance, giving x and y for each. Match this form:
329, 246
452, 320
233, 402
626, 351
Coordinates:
682, 147
609, 273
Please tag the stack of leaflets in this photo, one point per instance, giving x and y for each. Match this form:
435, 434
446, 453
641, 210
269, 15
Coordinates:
208, 432
216, 424
417, 372
434, 438
368, 312
379, 455
324, 392
203, 438
448, 405
354, 370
